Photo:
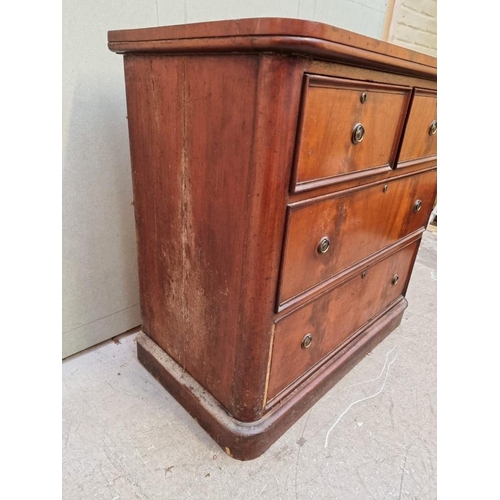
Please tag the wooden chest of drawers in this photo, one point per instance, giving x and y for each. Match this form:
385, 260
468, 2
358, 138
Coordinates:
283, 175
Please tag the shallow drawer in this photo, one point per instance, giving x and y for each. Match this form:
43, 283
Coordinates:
307, 335
325, 237
420, 135
347, 128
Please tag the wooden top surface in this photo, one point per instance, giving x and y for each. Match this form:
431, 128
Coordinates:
295, 36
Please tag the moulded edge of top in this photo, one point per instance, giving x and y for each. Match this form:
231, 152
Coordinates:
293, 36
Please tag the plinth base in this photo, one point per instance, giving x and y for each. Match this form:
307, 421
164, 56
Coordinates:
248, 440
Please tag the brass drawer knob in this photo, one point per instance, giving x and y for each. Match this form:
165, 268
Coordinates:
358, 133
433, 127
417, 205
306, 341
395, 279
324, 245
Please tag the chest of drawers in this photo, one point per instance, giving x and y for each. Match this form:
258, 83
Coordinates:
283, 174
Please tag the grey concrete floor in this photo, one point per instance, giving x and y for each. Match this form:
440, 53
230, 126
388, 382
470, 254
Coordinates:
125, 437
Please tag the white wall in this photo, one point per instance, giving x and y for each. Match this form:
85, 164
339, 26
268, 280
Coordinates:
100, 286
414, 25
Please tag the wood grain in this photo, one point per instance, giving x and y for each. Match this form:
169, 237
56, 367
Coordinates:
417, 143
191, 134
278, 97
277, 34
331, 109
246, 441
203, 186
358, 223
266, 27
234, 185
337, 70
335, 316
269, 26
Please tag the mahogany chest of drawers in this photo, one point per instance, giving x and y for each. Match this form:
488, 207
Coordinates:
283, 173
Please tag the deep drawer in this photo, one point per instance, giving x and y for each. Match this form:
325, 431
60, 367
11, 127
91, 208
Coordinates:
332, 318
420, 136
354, 224
347, 128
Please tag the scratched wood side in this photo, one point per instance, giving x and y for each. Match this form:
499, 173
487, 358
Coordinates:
191, 123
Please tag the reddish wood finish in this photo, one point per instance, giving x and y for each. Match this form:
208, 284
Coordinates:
213, 113
331, 108
358, 222
246, 441
418, 143
351, 72
204, 184
334, 317
278, 35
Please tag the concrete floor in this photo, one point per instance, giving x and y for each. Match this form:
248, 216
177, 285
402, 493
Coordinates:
125, 437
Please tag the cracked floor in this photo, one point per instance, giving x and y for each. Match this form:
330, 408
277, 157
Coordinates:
125, 437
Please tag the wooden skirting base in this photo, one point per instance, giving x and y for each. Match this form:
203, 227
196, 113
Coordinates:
244, 440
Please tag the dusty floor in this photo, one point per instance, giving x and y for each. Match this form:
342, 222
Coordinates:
125, 437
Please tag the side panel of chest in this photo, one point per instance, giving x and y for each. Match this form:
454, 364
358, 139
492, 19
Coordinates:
211, 138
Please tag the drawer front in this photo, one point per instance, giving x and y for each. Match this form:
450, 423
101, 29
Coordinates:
420, 136
357, 224
328, 149
332, 318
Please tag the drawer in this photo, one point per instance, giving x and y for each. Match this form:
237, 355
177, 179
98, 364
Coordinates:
355, 224
333, 317
420, 135
328, 149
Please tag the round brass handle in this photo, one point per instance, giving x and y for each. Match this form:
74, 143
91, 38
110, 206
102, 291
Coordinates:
433, 127
306, 341
358, 133
324, 245
395, 279
417, 205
